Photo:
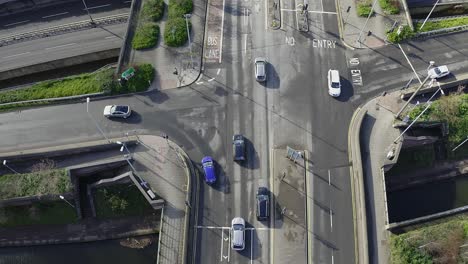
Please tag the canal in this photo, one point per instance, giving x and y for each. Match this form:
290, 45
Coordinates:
99, 252
426, 199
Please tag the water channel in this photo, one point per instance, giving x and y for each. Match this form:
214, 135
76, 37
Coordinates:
99, 252
428, 199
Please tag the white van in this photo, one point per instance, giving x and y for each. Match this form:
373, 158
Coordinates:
238, 233
334, 84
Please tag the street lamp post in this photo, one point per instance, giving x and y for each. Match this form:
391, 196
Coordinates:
428, 15
89, 14
10, 168
459, 145
95, 122
124, 146
65, 200
187, 16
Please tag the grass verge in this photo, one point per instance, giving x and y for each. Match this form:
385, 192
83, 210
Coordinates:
39, 213
390, 6
146, 36
364, 7
144, 75
153, 10
175, 32
34, 184
435, 242
446, 23
120, 200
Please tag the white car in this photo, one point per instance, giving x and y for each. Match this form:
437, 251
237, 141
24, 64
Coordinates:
334, 84
238, 233
122, 111
260, 69
438, 72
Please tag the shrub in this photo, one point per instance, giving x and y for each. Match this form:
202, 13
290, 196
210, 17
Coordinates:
405, 33
390, 6
446, 23
177, 8
153, 10
364, 8
175, 33
144, 75
146, 36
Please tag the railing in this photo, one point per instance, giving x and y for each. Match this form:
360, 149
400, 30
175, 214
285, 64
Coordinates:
62, 29
161, 225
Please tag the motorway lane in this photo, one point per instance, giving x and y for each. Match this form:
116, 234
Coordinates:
61, 14
63, 46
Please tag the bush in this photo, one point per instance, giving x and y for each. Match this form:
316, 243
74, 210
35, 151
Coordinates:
175, 33
144, 75
153, 10
146, 36
364, 8
390, 6
405, 33
446, 23
177, 8
38, 213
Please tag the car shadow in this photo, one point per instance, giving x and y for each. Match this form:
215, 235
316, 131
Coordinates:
252, 243
134, 118
276, 215
347, 90
273, 79
253, 161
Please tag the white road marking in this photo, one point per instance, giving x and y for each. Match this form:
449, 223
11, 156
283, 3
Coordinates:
59, 14
16, 23
94, 7
266, 14
221, 255
245, 43
110, 37
329, 177
333, 259
61, 46
217, 73
16, 55
212, 79
331, 219
222, 35
199, 83
251, 246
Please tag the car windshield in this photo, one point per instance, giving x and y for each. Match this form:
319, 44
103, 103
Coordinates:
208, 164
262, 197
238, 227
121, 108
437, 71
335, 85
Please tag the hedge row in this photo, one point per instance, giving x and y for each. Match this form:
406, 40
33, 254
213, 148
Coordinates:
147, 32
175, 33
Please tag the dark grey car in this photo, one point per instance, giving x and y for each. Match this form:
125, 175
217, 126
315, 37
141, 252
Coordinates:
263, 204
238, 147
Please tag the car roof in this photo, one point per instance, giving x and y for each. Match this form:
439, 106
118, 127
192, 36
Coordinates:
335, 75
262, 190
238, 220
206, 159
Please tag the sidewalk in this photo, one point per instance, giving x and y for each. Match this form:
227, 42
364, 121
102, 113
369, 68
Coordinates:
163, 165
351, 25
289, 230
167, 60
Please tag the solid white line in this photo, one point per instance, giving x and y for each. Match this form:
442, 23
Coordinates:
217, 73
222, 243
212, 79
333, 259
61, 46
245, 43
404, 54
266, 15
59, 14
222, 34
331, 218
110, 37
213, 227
329, 178
251, 246
229, 248
16, 55
94, 7
16, 23
199, 83
321, 3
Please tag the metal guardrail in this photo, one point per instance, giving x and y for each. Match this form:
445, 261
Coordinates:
62, 29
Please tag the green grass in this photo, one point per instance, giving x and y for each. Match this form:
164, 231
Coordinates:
120, 200
364, 7
390, 6
177, 8
153, 10
405, 33
32, 184
446, 23
142, 79
146, 36
431, 242
175, 32
39, 213
412, 159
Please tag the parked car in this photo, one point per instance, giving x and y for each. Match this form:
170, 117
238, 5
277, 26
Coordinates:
260, 69
238, 147
122, 111
238, 233
209, 169
334, 84
438, 72
263, 204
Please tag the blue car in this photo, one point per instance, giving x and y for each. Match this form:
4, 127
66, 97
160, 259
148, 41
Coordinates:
209, 169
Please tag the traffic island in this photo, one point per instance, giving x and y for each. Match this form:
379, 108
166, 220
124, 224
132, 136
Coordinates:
274, 14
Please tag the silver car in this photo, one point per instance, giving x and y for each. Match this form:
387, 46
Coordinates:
260, 69
238, 233
122, 111
438, 72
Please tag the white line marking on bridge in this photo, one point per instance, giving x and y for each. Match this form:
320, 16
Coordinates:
222, 35
94, 7
16, 23
61, 46
54, 15
212, 79
16, 55
217, 73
